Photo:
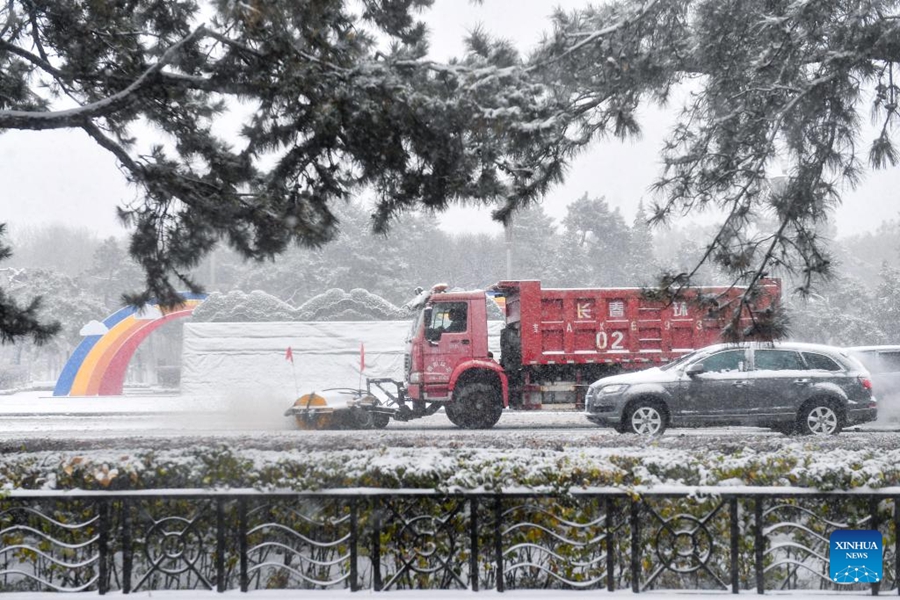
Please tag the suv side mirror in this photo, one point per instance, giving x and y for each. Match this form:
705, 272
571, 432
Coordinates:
695, 369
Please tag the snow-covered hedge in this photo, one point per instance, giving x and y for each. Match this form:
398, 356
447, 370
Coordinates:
335, 304
794, 464
332, 305
240, 306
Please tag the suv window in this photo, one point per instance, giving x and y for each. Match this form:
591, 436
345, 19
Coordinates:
730, 360
778, 360
820, 362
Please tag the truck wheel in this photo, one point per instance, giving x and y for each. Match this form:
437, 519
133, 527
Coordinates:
645, 417
453, 415
380, 420
819, 417
476, 406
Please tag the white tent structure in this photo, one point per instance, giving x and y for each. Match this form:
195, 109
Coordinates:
246, 362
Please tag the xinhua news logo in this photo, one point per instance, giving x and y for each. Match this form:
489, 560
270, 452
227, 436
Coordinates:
856, 556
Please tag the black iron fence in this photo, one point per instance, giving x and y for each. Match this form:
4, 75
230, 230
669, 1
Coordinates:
747, 539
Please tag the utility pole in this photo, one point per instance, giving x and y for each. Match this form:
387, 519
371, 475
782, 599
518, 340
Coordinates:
508, 234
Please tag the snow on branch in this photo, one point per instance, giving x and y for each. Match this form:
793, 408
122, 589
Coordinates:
76, 117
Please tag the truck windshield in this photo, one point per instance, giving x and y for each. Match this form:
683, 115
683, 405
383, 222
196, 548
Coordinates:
416, 322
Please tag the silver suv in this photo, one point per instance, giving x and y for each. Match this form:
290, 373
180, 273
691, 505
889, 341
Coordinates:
789, 387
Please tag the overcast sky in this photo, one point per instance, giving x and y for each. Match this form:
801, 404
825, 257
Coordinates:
62, 176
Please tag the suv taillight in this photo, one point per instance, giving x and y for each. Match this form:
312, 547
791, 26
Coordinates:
866, 383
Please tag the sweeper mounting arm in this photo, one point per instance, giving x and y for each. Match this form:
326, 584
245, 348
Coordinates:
398, 405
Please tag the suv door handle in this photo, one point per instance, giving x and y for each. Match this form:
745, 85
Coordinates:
802, 381
741, 384
464, 342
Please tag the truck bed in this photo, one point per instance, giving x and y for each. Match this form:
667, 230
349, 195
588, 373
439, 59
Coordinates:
614, 325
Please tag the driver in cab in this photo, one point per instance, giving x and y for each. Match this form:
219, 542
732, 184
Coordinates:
455, 320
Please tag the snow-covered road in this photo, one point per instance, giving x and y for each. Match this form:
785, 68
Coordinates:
158, 420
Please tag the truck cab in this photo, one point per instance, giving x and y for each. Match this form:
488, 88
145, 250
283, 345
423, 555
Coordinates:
448, 360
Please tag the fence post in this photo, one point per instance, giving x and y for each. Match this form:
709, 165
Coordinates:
498, 541
635, 545
103, 531
127, 554
354, 537
242, 542
376, 544
610, 503
759, 542
220, 545
735, 538
473, 543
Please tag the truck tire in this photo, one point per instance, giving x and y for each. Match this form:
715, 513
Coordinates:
453, 415
819, 417
645, 417
475, 406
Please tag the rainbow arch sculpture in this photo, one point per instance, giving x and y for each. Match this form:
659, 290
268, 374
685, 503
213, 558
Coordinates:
99, 363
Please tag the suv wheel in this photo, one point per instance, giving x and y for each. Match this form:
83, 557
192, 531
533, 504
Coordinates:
645, 418
819, 418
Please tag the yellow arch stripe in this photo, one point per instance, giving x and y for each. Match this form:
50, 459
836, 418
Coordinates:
101, 364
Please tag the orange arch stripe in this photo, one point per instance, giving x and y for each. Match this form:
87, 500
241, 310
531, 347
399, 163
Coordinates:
108, 353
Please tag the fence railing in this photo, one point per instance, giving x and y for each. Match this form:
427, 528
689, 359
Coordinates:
734, 539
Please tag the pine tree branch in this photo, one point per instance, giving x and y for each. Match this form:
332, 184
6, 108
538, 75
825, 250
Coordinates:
595, 36
32, 58
117, 150
36, 34
206, 84
7, 26
76, 117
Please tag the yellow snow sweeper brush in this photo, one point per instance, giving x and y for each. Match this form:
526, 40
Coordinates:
342, 408
311, 411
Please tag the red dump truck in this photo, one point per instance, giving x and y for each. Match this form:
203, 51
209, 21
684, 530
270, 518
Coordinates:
553, 344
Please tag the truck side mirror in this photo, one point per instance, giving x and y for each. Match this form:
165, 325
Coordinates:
695, 369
